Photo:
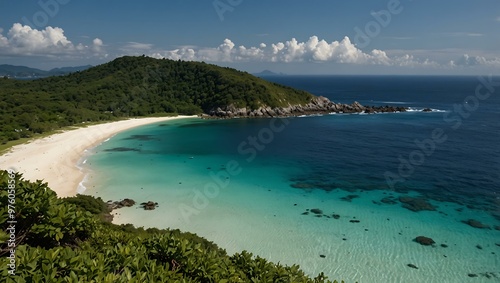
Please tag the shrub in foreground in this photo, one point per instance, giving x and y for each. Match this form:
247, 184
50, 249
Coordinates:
65, 240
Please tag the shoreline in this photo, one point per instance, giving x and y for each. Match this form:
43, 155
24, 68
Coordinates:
55, 159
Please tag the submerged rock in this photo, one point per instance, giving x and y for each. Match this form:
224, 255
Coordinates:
127, 202
119, 204
412, 265
388, 200
476, 224
336, 216
416, 204
302, 186
425, 241
121, 149
349, 198
149, 205
317, 211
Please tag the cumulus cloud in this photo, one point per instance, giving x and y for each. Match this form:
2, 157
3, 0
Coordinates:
467, 60
312, 50
23, 40
318, 50
51, 41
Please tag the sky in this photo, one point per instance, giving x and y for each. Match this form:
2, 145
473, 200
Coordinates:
450, 37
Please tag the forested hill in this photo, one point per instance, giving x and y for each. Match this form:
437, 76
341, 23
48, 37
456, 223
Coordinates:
132, 86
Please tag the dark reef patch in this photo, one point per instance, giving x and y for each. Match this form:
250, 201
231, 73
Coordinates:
317, 211
412, 265
141, 137
476, 224
349, 198
121, 149
425, 241
389, 200
416, 204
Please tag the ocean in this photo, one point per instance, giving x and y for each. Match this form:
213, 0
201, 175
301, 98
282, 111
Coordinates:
343, 194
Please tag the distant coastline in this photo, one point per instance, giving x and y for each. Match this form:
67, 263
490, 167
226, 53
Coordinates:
54, 159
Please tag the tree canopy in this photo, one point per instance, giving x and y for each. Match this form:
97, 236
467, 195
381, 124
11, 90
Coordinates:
132, 87
67, 240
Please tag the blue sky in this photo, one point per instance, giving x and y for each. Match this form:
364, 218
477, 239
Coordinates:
290, 36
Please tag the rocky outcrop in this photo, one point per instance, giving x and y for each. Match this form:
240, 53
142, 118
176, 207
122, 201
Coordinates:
318, 105
119, 204
150, 205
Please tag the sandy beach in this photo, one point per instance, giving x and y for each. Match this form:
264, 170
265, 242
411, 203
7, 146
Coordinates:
54, 159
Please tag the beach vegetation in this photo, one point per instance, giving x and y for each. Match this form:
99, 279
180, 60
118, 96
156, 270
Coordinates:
132, 87
65, 240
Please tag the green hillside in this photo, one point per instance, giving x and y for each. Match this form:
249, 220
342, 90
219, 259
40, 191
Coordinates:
66, 240
131, 87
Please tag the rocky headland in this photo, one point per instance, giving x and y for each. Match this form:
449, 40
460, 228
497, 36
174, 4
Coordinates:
318, 105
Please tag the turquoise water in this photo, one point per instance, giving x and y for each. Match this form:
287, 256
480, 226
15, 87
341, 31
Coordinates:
214, 179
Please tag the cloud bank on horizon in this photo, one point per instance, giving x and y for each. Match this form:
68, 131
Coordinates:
50, 42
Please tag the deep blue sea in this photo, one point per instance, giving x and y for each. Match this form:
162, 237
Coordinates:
345, 194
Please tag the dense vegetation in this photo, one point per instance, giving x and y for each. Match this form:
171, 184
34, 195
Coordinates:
64, 240
131, 87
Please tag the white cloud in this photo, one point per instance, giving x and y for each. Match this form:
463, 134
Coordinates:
51, 41
138, 46
467, 60
318, 50
312, 50
464, 34
97, 42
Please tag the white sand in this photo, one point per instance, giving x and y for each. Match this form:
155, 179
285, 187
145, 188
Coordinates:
54, 159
